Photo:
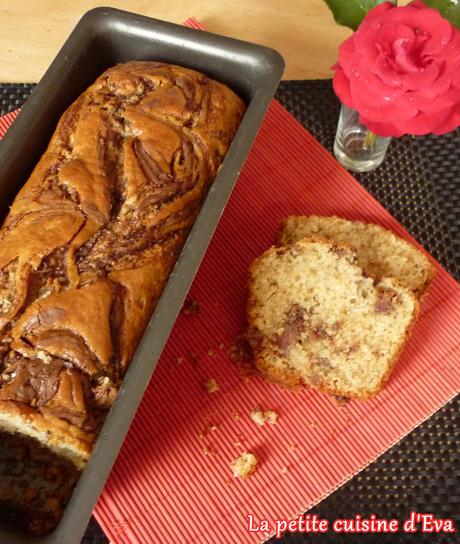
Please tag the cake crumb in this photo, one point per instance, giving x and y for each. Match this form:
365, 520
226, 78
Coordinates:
293, 447
240, 353
194, 357
236, 415
239, 350
221, 346
210, 428
211, 352
207, 451
260, 417
340, 401
238, 444
211, 385
244, 466
191, 307
285, 470
179, 360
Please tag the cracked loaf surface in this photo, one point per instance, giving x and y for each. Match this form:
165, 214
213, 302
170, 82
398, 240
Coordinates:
91, 238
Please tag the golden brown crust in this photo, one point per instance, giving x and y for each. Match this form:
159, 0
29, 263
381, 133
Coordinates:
92, 236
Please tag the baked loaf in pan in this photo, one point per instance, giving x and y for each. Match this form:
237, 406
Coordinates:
90, 241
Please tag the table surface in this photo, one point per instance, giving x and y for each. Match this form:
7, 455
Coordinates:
304, 31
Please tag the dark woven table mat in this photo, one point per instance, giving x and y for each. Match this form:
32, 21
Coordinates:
419, 183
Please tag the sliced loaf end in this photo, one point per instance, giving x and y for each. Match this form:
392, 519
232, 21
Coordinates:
315, 318
380, 252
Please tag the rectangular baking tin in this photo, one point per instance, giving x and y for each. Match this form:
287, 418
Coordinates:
102, 38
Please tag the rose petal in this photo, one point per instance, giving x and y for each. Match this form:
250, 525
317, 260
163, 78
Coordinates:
365, 43
454, 95
450, 124
426, 123
403, 56
420, 99
441, 103
389, 112
346, 51
389, 33
382, 129
441, 85
428, 21
417, 4
439, 39
370, 91
341, 85
377, 12
422, 79
421, 19
385, 71
451, 51
456, 79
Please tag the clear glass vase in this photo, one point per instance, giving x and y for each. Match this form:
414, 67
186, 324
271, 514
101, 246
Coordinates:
355, 146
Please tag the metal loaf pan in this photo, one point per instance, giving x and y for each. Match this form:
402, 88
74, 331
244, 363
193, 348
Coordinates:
102, 38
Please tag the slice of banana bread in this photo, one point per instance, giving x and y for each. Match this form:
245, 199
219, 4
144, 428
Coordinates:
315, 318
380, 252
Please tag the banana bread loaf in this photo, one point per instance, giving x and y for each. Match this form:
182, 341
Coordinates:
84, 255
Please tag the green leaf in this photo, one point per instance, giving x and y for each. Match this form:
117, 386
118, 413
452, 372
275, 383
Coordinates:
450, 9
352, 12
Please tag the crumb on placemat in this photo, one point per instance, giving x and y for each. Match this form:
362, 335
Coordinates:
191, 307
208, 451
244, 466
260, 417
211, 385
240, 353
193, 357
240, 350
210, 428
236, 415
340, 401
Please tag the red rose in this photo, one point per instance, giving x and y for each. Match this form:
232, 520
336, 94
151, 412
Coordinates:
401, 71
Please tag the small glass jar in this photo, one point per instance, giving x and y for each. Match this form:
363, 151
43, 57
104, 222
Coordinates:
355, 146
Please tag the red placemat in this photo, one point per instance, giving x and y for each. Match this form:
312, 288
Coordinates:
172, 480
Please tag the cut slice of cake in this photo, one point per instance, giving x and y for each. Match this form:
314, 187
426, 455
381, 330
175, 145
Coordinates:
315, 318
380, 252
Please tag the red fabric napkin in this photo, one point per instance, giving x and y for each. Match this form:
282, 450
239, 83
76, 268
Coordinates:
172, 481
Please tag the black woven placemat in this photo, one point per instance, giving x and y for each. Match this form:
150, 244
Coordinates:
419, 183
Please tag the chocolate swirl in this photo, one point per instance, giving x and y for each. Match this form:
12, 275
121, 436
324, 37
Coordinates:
93, 234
